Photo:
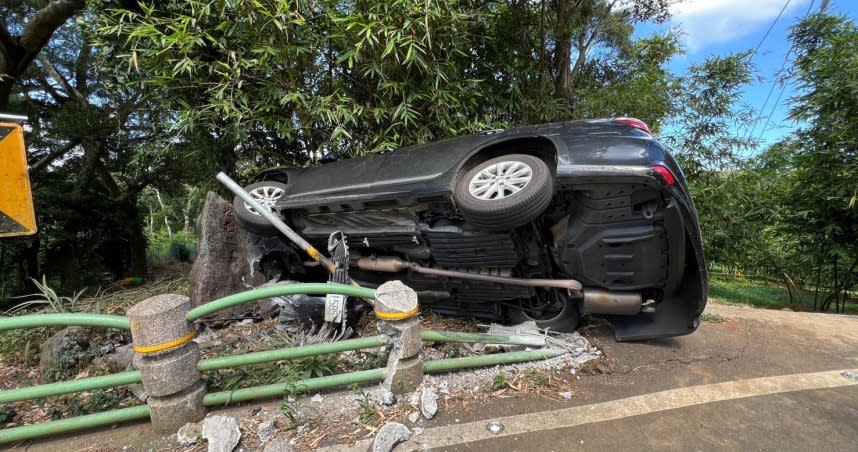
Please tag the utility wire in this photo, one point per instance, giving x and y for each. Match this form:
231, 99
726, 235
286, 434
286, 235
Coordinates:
756, 49
774, 84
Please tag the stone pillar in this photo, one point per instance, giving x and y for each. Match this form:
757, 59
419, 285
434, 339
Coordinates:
167, 360
396, 309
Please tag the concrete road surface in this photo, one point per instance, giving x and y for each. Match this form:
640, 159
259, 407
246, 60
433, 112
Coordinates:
759, 380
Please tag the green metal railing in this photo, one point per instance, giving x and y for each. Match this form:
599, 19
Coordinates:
240, 395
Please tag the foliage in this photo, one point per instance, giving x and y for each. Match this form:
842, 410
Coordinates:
369, 414
500, 381
97, 401
49, 297
306, 77
68, 363
315, 366
712, 318
708, 111
7, 414
790, 212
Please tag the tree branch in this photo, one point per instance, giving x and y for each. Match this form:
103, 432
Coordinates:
53, 155
55, 74
39, 29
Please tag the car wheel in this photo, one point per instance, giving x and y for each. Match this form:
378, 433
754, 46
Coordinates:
267, 193
562, 316
504, 192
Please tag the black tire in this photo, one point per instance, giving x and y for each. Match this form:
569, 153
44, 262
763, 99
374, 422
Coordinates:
564, 321
512, 210
251, 220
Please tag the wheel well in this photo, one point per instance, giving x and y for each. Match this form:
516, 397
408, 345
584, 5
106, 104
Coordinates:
537, 146
273, 175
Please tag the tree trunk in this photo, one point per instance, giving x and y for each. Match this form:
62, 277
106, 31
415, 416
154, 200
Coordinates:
164, 210
5, 93
136, 239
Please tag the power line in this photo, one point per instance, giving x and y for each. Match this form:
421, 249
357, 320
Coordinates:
756, 49
774, 84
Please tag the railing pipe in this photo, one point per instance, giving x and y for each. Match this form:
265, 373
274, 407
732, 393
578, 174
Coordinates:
63, 319
277, 291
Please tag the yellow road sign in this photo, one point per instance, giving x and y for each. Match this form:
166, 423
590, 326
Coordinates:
16, 201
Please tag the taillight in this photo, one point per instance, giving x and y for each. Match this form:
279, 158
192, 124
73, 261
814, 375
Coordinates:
636, 123
665, 173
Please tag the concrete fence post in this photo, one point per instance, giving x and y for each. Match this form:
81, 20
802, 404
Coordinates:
396, 309
167, 359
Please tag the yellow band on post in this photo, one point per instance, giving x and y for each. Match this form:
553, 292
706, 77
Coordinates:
397, 315
166, 345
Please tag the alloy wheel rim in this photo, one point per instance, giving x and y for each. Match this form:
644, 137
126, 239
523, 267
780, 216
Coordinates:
500, 180
265, 195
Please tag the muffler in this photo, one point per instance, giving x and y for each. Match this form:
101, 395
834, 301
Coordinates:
611, 303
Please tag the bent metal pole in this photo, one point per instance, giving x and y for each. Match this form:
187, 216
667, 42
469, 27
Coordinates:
278, 223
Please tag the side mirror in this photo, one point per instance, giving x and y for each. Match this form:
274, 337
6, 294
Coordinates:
332, 156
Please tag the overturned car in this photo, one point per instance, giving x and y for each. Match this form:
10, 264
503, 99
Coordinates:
536, 223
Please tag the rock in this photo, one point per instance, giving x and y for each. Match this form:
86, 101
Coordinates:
266, 430
117, 361
226, 262
316, 398
429, 402
387, 398
389, 435
414, 417
222, 433
566, 395
278, 445
189, 434
415, 399
418, 431
62, 341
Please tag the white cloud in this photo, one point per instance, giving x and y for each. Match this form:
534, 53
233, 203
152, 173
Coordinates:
707, 22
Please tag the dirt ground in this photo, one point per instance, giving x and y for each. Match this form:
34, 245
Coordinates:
742, 344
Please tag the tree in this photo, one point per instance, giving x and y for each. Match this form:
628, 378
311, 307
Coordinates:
822, 200
21, 41
304, 78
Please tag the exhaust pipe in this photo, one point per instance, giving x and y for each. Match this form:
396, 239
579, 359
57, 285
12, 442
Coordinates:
612, 303
394, 264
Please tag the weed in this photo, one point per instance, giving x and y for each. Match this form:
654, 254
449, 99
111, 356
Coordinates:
712, 318
452, 350
48, 296
369, 361
500, 381
369, 414
7, 414
542, 379
79, 405
297, 412
67, 363
316, 366
255, 375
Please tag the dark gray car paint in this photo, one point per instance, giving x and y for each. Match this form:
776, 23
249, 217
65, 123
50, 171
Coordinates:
586, 152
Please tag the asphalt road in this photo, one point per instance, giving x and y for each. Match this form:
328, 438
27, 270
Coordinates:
760, 380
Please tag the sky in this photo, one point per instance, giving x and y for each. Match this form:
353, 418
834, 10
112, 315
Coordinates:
724, 27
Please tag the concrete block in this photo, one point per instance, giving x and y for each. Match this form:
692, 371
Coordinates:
394, 297
158, 320
169, 413
406, 376
170, 372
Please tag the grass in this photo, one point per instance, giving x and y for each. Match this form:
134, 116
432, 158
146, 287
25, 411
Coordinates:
712, 318
762, 295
